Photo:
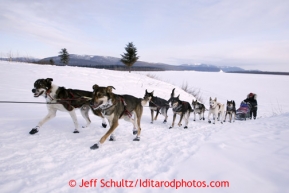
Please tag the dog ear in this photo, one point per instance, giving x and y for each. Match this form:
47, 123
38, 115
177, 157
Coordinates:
146, 91
152, 93
178, 96
95, 86
210, 98
173, 93
49, 79
215, 99
109, 89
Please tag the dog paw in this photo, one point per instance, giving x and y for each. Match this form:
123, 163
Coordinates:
152, 122
185, 127
112, 138
95, 146
134, 132
209, 121
104, 125
136, 139
165, 121
75, 131
33, 131
194, 120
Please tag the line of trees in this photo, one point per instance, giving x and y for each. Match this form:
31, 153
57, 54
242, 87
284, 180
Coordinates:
128, 58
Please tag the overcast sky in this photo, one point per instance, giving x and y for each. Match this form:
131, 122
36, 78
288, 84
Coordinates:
252, 34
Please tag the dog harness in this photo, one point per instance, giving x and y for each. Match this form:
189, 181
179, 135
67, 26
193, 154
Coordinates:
179, 108
108, 106
125, 111
70, 102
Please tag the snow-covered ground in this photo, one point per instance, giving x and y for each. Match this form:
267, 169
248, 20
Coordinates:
250, 156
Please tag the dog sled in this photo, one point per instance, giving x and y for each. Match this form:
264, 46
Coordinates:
243, 112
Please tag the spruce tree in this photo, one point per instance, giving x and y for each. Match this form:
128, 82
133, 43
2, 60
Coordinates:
64, 56
130, 57
51, 61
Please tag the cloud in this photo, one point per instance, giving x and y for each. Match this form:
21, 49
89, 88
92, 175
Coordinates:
212, 31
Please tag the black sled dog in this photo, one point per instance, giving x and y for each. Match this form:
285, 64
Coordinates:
157, 104
62, 99
181, 108
231, 111
115, 107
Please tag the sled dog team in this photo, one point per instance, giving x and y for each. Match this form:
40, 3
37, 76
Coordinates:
105, 104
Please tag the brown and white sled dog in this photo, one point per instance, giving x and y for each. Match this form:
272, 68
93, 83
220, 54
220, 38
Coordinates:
231, 111
198, 108
217, 109
181, 108
62, 99
115, 107
157, 104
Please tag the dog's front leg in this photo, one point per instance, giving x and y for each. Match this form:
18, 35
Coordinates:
209, 120
194, 115
164, 112
187, 116
181, 118
113, 125
215, 115
51, 114
226, 117
152, 116
84, 112
234, 116
174, 118
200, 116
157, 115
74, 118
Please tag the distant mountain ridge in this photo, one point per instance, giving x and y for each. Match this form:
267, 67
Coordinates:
109, 62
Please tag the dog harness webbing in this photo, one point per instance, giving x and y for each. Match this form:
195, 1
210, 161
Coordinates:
184, 103
124, 109
67, 101
158, 107
48, 94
